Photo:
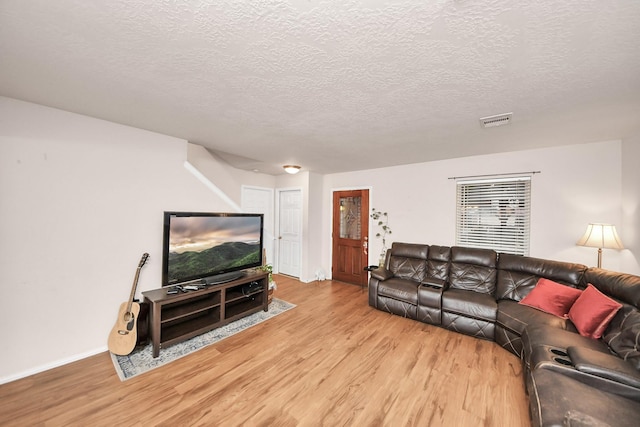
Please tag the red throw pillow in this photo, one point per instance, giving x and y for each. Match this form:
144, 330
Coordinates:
552, 297
592, 312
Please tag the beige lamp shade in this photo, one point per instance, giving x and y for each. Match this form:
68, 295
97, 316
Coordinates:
601, 236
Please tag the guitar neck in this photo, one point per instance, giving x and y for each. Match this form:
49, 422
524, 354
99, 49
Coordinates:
133, 289
143, 260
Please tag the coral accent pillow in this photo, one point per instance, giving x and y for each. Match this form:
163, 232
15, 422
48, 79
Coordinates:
552, 297
592, 312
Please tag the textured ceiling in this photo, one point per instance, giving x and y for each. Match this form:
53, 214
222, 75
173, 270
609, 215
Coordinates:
333, 85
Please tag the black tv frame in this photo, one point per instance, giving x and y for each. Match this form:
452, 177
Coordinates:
212, 276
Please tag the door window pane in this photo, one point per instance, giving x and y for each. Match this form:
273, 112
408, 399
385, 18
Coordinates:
350, 208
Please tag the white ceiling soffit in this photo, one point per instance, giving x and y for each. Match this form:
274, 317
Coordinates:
334, 85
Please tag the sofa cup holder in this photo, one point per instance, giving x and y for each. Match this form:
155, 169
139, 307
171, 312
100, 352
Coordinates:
562, 361
559, 352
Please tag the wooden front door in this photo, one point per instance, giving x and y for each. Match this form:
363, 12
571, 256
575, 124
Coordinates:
350, 236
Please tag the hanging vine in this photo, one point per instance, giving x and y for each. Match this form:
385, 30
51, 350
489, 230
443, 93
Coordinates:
383, 222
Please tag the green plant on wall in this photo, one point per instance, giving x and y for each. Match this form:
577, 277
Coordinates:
382, 219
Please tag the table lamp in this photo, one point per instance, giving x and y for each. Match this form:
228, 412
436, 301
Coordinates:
600, 236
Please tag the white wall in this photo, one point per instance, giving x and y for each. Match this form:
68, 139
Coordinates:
226, 178
81, 201
578, 184
315, 231
630, 230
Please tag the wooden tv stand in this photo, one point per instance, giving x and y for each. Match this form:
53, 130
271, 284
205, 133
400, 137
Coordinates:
178, 317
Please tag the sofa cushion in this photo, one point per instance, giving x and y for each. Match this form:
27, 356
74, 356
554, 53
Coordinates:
475, 256
409, 250
621, 286
518, 275
408, 261
516, 317
397, 307
514, 285
473, 269
470, 304
408, 268
477, 328
438, 262
623, 335
552, 297
399, 289
592, 312
472, 278
512, 320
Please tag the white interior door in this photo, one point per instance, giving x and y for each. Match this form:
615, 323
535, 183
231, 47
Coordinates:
289, 231
260, 200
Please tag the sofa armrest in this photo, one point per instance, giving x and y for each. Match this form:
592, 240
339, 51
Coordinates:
381, 274
604, 365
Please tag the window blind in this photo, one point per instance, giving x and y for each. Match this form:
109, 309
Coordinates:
494, 214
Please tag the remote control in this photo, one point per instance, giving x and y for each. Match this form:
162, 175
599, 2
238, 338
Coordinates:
190, 287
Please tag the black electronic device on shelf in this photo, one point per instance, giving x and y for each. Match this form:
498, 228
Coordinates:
251, 288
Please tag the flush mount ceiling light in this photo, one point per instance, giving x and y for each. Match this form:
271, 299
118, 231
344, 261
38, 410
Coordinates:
292, 169
497, 120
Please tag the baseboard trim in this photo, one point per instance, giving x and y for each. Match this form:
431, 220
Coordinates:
52, 365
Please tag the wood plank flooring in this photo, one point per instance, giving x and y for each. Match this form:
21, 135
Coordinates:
331, 361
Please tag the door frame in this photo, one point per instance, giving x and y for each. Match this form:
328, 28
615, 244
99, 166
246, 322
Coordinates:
333, 190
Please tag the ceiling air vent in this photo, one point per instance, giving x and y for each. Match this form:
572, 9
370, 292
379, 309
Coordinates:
497, 120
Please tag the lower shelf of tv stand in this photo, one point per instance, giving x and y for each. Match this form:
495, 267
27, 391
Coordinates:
189, 328
176, 318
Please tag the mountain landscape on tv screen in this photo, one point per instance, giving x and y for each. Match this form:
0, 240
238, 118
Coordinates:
211, 261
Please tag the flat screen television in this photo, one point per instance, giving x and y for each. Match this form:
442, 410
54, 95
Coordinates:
210, 247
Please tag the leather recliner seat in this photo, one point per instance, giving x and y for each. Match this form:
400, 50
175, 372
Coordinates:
406, 267
468, 304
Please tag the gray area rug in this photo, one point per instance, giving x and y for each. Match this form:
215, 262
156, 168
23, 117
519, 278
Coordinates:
141, 359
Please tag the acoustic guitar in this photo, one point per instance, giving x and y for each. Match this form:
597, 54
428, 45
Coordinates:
123, 336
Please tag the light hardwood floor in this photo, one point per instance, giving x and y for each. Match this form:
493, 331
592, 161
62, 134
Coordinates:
331, 361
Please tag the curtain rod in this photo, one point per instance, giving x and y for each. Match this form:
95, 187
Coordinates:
493, 174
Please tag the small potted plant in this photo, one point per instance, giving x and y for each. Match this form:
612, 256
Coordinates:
268, 268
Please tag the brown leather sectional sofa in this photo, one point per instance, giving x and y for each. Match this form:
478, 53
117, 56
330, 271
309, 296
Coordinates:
571, 379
